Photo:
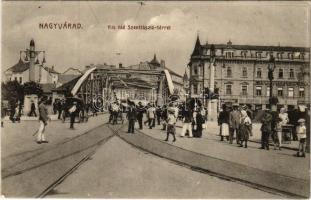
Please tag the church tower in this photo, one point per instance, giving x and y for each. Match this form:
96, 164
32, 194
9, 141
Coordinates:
32, 55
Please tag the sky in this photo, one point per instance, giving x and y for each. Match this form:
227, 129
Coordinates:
251, 23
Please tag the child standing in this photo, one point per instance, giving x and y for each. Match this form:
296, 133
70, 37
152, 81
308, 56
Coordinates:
301, 133
171, 121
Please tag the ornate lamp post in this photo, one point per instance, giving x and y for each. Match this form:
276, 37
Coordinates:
271, 67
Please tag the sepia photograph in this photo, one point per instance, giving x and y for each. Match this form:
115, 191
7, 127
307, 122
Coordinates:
155, 99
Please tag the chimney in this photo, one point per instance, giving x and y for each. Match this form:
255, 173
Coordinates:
162, 65
120, 65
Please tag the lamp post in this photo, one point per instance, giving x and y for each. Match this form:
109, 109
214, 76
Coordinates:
211, 113
271, 67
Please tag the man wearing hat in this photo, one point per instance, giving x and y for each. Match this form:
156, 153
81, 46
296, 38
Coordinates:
234, 123
302, 135
140, 115
266, 129
132, 117
72, 112
43, 118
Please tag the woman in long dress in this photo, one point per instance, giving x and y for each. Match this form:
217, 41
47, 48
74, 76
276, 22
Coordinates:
244, 128
223, 122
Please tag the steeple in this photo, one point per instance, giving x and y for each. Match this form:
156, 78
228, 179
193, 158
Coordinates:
197, 47
185, 78
154, 61
32, 43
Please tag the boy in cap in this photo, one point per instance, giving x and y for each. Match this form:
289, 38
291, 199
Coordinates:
301, 133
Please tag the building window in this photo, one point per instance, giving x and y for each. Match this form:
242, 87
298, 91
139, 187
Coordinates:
244, 72
15, 78
301, 92
290, 56
195, 70
258, 55
268, 91
280, 73
302, 56
291, 73
195, 89
244, 89
258, 90
243, 54
280, 92
20, 79
229, 54
258, 73
228, 89
279, 55
229, 72
290, 92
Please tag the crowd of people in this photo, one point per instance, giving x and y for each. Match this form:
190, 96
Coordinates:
166, 116
236, 123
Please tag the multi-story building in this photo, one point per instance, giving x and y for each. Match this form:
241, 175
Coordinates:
241, 73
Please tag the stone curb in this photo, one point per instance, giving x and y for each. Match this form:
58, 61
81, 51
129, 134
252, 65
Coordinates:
258, 142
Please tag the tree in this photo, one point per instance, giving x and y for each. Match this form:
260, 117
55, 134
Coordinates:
33, 88
12, 91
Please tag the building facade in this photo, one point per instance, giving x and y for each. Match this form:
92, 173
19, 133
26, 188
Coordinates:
241, 73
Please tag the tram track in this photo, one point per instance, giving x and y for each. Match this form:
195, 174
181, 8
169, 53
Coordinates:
76, 166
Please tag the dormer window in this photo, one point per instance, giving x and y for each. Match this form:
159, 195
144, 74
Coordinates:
279, 55
243, 54
258, 55
229, 54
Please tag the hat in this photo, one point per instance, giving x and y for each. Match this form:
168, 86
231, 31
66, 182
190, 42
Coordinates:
244, 106
171, 110
235, 104
301, 120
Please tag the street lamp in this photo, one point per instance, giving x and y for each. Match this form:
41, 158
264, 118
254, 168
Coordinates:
271, 67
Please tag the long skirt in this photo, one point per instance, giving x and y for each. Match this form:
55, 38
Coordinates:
224, 129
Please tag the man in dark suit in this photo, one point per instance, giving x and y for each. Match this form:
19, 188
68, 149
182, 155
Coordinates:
140, 115
132, 117
266, 129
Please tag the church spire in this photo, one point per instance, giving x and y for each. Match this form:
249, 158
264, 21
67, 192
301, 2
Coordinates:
197, 47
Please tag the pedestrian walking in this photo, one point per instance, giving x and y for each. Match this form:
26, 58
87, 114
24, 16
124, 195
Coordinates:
55, 107
302, 135
59, 108
266, 129
164, 116
158, 114
43, 119
223, 123
140, 115
132, 117
171, 121
151, 116
234, 123
197, 124
278, 134
32, 110
72, 113
245, 128
187, 123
